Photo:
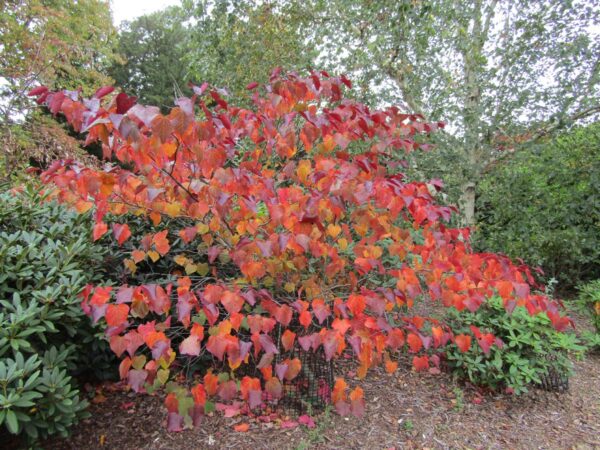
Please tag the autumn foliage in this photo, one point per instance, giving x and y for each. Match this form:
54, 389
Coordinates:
303, 232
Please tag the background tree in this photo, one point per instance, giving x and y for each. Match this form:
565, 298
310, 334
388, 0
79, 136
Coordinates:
490, 69
57, 43
228, 43
236, 42
544, 205
154, 48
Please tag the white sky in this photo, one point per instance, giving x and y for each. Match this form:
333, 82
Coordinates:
130, 9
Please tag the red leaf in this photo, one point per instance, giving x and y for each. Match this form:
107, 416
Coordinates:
307, 420
463, 342
420, 363
100, 229
103, 91
161, 243
121, 232
252, 86
287, 424
37, 91
118, 345
116, 314
124, 103
284, 315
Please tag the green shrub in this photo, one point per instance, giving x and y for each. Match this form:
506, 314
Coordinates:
46, 258
529, 347
543, 204
588, 302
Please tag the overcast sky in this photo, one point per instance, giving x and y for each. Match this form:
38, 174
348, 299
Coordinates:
130, 9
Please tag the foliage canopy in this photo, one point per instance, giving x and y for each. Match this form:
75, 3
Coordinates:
300, 231
544, 205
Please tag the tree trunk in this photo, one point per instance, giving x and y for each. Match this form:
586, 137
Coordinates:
468, 204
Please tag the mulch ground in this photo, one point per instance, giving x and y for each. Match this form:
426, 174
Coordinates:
405, 410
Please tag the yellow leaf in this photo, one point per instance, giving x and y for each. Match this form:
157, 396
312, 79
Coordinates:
82, 206
190, 268
289, 287
173, 209
130, 265
138, 362
343, 243
162, 375
169, 148
328, 143
202, 269
154, 256
333, 230
303, 170
181, 260
162, 362
224, 258
202, 228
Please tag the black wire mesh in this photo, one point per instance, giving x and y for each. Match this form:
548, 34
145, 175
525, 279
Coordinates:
310, 391
557, 378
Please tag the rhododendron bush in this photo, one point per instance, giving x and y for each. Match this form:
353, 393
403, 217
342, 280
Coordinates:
300, 230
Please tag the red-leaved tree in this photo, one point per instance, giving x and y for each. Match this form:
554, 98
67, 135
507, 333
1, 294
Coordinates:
327, 245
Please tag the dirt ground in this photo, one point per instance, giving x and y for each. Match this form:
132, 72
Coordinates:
404, 410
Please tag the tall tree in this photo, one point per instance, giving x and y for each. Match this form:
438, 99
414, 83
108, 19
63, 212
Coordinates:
57, 43
154, 48
491, 69
236, 42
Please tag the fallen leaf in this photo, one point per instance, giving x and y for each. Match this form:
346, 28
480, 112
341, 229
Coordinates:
242, 427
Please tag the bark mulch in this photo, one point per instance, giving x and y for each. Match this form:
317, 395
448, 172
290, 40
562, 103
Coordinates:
404, 410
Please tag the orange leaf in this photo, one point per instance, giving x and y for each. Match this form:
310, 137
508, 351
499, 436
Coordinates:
211, 383
161, 243
100, 230
505, 288
463, 342
293, 369
116, 314
356, 394
254, 270
333, 230
421, 363
172, 403
287, 339
339, 390
101, 295
391, 366
232, 301
199, 394
305, 319
414, 342
138, 256
241, 428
